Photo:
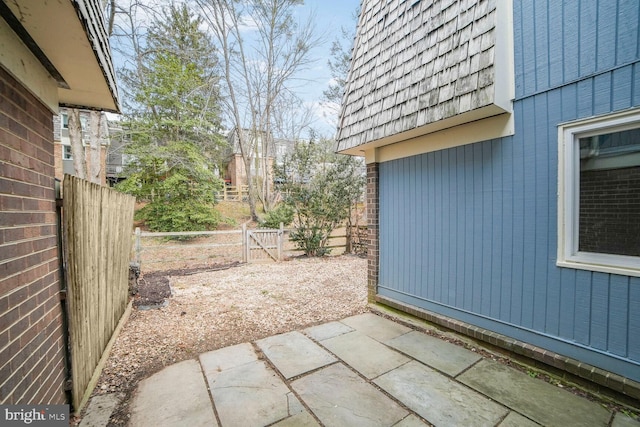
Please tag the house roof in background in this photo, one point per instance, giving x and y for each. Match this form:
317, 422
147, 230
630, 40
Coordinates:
422, 66
69, 38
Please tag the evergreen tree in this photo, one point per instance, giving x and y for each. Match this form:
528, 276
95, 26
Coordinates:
173, 124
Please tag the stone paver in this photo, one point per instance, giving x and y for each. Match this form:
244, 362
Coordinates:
516, 420
227, 357
247, 393
438, 399
365, 354
540, 401
303, 419
441, 355
443, 384
176, 396
623, 420
339, 397
294, 354
376, 327
327, 330
411, 421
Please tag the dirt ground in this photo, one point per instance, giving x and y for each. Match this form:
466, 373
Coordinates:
220, 304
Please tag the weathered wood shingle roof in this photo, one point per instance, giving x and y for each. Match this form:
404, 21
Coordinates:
417, 62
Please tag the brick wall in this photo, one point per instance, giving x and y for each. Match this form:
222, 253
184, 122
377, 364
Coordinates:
31, 340
610, 211
57, 153
373, 256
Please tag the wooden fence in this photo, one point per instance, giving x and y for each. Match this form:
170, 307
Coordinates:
197, 249
233, 193
155, 251
97, 245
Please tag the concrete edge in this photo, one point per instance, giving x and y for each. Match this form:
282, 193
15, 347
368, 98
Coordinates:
609, 384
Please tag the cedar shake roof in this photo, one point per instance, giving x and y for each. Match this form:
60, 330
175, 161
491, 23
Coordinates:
419, 66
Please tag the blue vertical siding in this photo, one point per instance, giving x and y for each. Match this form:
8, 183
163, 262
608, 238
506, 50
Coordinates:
570, 38
617, 325
472, 231
628, 36
556, 41
633, 343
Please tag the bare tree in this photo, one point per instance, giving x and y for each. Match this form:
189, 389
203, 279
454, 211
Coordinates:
293, 117
95, 124
262, 49
95, 145
75, 139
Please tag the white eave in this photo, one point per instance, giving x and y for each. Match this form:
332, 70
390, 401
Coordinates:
69, 39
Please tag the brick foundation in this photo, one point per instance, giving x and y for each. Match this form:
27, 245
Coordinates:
373, 255
589, 377
31, 337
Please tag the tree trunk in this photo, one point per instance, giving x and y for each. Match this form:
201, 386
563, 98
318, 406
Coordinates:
77, 149
250, 189
95, 146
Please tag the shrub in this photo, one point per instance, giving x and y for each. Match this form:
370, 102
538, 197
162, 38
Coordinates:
283, 213
320, 187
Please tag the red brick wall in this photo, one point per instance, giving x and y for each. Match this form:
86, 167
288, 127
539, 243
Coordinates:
31, 340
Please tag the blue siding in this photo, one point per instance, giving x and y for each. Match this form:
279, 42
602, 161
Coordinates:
570, 37
556, 40
633, 349
618, 297
628, 35
572, 40
471, 232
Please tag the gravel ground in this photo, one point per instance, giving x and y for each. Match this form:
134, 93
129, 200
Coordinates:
215, 309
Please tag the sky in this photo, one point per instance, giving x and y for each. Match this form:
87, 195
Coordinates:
331, 16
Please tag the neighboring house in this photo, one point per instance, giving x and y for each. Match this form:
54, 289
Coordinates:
236, 172
53, 53
63, 153
281, 148
502, 142
117, 159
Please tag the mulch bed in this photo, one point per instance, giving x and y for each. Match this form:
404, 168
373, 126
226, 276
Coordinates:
154, 288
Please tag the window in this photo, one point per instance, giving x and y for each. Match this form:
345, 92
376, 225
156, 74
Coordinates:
66, 152
65, 121
599, 194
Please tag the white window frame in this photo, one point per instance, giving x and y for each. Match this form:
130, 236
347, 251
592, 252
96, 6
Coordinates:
64, 152
569, 194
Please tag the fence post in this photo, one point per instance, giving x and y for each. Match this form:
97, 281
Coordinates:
280, 241
245, 245
138, 245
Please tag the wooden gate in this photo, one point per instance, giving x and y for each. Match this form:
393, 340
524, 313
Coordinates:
262, 244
